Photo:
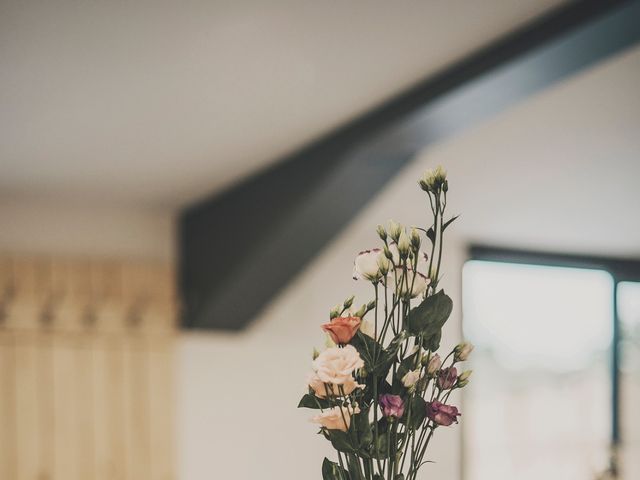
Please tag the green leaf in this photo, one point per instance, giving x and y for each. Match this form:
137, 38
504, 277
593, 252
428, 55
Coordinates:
368, 349
377, 360
333, 471
354, 471
432, 342
431, 235
379, 448
361, 429
428, 318
415, 412
449, 222
311, 401
341, 441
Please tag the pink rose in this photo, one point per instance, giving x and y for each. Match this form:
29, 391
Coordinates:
342, 329
442, 414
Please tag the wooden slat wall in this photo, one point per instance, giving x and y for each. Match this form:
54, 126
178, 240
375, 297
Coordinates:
86, 369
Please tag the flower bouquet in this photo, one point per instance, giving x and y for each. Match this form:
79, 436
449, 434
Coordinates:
381, 388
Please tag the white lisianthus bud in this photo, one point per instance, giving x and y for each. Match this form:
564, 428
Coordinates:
391, 253
462, 351
384, 265
349, 301
415, 240
417, 285
365, 266
371, 305
411, 378
463, 379
335, 312
434, 364
382, 233
433, 180
433, 273
361, 311
404, 244
367, 327
394, 230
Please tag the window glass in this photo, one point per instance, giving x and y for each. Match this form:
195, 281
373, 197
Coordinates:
539, 405
629, 312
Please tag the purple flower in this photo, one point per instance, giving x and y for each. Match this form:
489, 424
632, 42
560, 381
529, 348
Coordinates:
391, 405
442, 414
447, 378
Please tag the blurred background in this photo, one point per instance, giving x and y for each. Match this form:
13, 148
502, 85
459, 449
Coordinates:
184, 187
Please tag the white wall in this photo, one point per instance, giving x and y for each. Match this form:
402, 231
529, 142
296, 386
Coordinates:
237, 393
43, 226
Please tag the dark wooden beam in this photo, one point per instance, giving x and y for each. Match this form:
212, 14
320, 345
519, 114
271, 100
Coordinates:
239, 248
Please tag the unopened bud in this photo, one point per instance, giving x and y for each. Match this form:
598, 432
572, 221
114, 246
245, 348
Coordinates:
403, 244
394, 230
463, 379
462, 351
361, 311
335, 312
415, 239
433, 365
349, 301
382, 233
315, 353
383, 265
371, 305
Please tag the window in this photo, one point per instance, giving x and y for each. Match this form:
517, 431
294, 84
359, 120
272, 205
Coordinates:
550, 385
629, 312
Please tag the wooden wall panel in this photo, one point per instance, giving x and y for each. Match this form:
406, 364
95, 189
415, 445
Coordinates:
86, 373
8, 447
26, 406
161, 404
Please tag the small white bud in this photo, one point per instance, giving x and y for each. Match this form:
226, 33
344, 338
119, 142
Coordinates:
462, 351
411, 378
384, 265
404, 244
394, 230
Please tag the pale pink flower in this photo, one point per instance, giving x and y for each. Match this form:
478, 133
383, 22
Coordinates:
323, 390
336, 365
336, 418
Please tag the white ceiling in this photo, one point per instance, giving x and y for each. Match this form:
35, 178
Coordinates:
157, 103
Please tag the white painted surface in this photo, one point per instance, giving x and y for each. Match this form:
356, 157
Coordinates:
160, 102
42, 226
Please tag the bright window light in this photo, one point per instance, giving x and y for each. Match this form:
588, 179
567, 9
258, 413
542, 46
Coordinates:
539, 404
629, 312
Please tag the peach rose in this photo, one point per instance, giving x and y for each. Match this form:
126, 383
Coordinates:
336, 418
342, 329
322, 389
336, 365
